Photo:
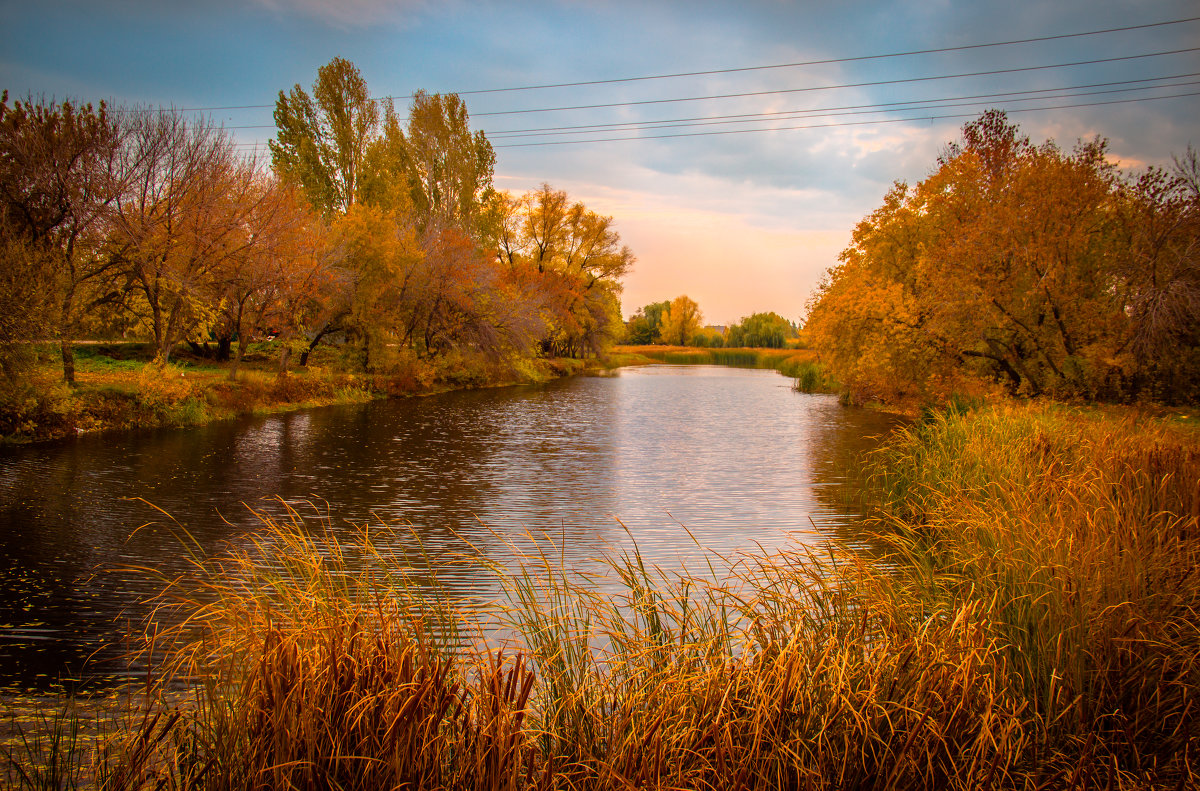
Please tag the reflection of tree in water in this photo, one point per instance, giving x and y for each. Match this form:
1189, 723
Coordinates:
836, 448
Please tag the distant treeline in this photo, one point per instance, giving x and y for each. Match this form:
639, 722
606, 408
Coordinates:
1022, 268
679, 322
150, 223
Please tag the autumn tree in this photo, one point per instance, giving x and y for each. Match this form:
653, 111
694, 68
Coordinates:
864, 319
275, 271
681, 321
407, 202
392, 289
761, 330
708, 338
186, 214
1158, 279
1013, 262
323, 139
57, 183
576, 259
386, 172
449, 167
432, 258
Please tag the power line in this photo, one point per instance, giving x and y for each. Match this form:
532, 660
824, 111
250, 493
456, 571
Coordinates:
840, 111
734, 70
933, 105
929, 118
874, 83
877, 106
597, 127
828, 61
778, 113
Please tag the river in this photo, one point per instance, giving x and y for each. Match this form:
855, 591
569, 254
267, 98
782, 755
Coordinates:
690, 460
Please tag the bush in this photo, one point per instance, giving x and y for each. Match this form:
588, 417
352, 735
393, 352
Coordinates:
161, 387
34, 409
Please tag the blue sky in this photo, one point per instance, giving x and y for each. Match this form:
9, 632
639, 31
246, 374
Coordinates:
741, 222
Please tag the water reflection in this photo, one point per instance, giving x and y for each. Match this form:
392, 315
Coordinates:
836, 449
734, 455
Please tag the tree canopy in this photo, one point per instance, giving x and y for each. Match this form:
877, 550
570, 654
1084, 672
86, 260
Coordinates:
383, 233
681, 321
59, 175
1043, 270
761, 331
434, 258
323, 138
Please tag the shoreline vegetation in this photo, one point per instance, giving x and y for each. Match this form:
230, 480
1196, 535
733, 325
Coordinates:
801, 365
118, 386
1027, 620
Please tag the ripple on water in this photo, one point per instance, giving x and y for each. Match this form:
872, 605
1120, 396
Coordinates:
683, 461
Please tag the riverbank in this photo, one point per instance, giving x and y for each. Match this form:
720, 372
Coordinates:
118, 388
801, 365
1025, 617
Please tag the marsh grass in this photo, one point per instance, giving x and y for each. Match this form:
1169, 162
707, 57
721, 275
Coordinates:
808, 376
1082, 533
1031, 623
801, 365
739, 358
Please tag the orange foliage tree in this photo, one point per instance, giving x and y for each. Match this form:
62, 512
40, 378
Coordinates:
1016, 263
58, 180
572, 258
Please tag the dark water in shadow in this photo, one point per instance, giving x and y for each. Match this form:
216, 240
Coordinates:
734, 455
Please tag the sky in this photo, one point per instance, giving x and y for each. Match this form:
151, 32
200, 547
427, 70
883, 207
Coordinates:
743, 214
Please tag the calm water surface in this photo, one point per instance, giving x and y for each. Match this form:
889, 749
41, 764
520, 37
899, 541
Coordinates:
734, 455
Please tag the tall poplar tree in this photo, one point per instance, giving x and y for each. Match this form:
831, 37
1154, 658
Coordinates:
323, 139
450, 168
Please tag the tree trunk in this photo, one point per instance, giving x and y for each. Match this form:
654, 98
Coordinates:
237, 358
312, 345
68, 361
283, 358
328, 327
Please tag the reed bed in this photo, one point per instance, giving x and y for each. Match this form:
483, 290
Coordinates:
801, 365
1029, 620
738, 358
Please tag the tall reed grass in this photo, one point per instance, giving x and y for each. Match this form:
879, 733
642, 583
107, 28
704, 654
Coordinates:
799, 364
1030, 621
1081, 534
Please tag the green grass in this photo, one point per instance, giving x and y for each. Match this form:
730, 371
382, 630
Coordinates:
1030, 621
118, 387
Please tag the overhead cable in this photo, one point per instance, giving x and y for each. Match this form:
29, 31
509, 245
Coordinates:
734, 70
870, 84
920, 119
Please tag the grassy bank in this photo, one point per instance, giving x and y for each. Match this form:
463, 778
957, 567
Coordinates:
799, 364
1029, 620
117, 387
